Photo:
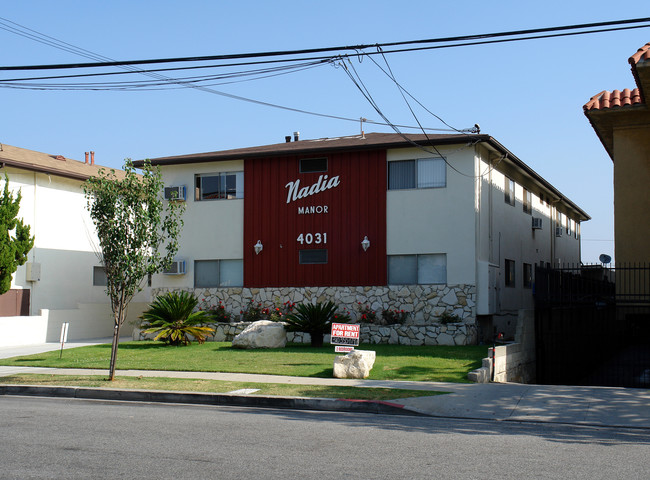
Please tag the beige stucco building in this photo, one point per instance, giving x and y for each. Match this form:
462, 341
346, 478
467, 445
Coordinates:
621, 120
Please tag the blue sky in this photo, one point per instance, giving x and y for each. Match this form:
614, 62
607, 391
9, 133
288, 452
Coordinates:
528, 95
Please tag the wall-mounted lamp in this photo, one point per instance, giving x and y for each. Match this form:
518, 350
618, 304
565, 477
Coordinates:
258, 247
365, 243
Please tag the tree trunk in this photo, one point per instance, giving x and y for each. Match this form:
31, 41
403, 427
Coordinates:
116, 340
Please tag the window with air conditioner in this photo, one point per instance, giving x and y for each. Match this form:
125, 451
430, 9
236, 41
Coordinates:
175, 192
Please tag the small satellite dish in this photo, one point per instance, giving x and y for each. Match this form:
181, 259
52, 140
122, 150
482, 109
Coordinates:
604, 258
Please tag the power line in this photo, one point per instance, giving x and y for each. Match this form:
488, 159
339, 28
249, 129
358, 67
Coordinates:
471, 39
51, 41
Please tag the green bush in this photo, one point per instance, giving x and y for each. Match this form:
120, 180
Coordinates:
447, 317
315, 319
395, 316
172, 317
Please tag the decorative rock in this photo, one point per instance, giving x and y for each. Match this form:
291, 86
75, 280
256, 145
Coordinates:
450, 298
262, 334
356, 364
445, 339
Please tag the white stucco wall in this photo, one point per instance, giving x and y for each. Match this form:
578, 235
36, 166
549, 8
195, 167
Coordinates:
65, 242
213, 229
505, 232
436, 220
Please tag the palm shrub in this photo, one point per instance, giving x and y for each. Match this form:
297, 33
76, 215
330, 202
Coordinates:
172, 317
315, 319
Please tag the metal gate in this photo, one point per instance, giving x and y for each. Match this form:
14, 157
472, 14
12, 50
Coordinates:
592, 325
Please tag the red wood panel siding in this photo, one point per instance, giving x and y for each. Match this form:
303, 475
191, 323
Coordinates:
355, 208
15, 303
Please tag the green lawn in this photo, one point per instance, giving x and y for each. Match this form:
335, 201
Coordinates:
217, 386
394, 362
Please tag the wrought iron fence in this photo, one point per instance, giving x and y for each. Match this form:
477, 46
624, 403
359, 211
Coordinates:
593, 325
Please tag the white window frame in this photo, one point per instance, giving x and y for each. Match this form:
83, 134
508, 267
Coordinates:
418, 163
419, 275
218, 282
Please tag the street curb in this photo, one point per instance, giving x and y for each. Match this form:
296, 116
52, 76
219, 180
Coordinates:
217, 399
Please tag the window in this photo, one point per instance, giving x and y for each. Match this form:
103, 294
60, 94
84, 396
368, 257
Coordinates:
420, 173
99, 277
528, 275
509, 190
569, 222
417, 269
528, 201
313, 256
311, 165
219, 186
510, 273
218, 273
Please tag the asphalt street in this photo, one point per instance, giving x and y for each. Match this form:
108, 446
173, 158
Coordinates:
74, 439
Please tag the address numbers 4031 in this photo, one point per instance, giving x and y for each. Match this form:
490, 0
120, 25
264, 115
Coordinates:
309, 238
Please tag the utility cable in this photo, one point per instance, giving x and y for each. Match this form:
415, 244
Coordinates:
466, 38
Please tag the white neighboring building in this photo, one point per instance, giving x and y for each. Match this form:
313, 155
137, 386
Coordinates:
62, 279
456, 224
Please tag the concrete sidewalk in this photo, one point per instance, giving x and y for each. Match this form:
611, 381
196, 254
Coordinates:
601, 406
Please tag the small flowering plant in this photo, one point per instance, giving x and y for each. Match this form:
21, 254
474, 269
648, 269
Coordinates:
366, 314
219, 314
253, 312
280, 311
394, 316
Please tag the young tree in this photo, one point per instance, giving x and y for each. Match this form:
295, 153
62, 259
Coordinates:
133, 225
13, 249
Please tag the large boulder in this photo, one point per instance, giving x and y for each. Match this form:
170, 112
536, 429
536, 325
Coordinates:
356, 364
261, 334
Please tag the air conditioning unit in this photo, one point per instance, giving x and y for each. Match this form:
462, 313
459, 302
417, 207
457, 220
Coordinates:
176, 268
558, 231
537, 223
175, 193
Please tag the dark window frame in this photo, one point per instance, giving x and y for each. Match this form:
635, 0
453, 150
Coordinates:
528, 201
528, 275
99, 276
509, 191
221, 195
303, 162
510, 277
312, 251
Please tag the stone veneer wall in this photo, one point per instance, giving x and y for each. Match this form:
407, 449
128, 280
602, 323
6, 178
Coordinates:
424, 303
450, 334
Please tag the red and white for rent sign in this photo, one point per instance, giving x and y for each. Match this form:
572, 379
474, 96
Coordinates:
345, 334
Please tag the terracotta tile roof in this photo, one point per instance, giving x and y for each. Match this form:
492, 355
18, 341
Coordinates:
640, 63
614, 99
641, 55
46, 163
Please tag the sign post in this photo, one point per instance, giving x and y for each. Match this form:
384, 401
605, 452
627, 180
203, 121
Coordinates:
345, 336
64, 336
